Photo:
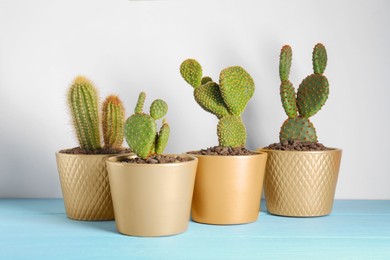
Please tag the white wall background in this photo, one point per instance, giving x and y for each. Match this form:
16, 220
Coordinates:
129, 46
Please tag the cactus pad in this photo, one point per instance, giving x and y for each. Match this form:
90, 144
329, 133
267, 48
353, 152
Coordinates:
162, 138
205, 80
140, 103
285, 62
158, 109
237, 88
312, 95
287, 93
113, 117
140, 134
209, 98
298, 128
231, 131
320, 59
191, 71
83, 104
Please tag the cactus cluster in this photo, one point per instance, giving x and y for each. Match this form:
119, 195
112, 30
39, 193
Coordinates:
226, 100
309, 99
141, 129
83, 102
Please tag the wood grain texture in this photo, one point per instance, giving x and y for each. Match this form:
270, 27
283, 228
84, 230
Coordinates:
39, 229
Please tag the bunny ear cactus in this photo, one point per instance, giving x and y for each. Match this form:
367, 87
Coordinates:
113, 118
311, 96
226, 100
141, 130
83, 103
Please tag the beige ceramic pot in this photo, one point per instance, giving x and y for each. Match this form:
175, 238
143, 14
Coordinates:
228, 189
85, 186
300, 183
151, 199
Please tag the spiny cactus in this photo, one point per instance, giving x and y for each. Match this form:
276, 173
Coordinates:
113, 118
226, 100
311, 96
83, 102
141, 130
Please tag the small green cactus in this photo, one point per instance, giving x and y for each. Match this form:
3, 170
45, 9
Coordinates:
311, 96
113, 118
141, 130
83, 102
226, 100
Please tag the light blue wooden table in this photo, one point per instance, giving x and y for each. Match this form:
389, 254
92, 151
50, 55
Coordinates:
39, 229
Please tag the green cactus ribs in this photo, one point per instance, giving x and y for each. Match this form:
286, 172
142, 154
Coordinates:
83, 103
309, 99
141, 130
113, 117
209, 98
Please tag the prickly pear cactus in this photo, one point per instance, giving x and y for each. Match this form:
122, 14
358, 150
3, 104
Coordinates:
311, 96
113, 120
83, 103
226, 100
141, 130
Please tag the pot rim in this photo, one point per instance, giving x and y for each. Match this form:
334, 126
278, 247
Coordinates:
113, 160
330, 150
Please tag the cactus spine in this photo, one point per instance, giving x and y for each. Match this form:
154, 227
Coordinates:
113, 118
141, 130
226, 100
83, 102
311, 96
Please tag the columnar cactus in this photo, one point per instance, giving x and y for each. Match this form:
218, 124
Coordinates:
83, 103
226, 100
141, 130
312, 95
113, 118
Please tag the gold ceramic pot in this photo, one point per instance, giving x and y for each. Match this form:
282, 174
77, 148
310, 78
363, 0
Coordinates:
85, 186
301, 183
151, 199
228, 189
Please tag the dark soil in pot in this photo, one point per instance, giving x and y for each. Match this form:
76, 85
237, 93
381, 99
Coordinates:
158, 159
224, 151
294, 145
78, 150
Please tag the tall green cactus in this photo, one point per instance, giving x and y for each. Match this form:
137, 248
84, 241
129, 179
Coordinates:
141, 130
311, 96
113, 119
226, 100
83, 103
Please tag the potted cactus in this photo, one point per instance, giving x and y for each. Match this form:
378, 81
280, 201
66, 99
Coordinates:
229, 178
151, 192
82, 170
301, 174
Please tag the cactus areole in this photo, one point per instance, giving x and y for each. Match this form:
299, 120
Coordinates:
227, 99
141, 129
311, 96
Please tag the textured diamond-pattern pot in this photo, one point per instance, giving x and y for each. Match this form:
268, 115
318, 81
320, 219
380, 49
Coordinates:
300, 183
228, 189
151, 199
85, 186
